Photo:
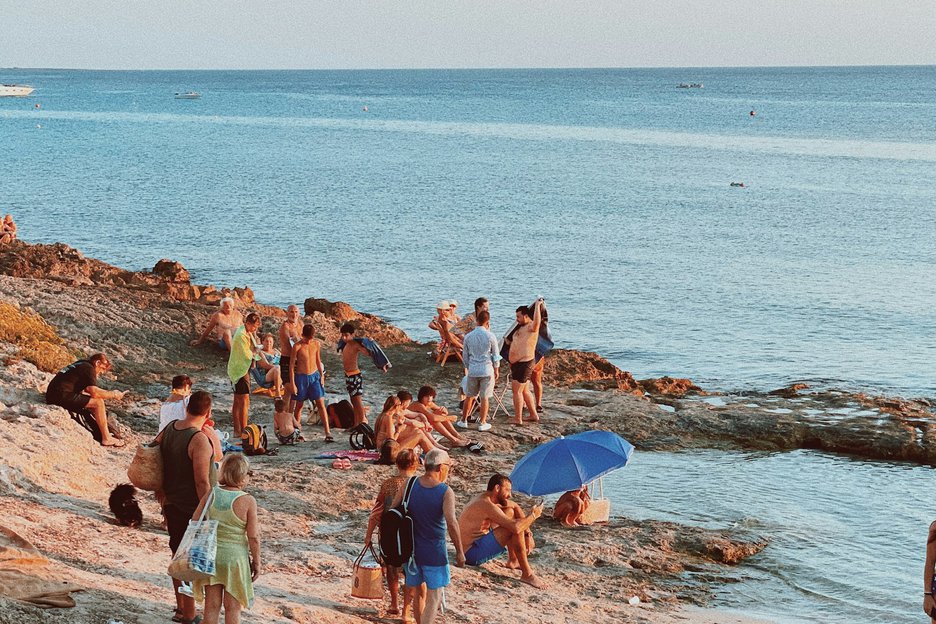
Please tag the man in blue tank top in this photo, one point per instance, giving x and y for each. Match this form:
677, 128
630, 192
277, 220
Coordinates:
432, 506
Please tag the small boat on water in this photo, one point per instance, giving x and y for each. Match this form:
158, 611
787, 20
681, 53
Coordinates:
690, 85
15, 90
188, 95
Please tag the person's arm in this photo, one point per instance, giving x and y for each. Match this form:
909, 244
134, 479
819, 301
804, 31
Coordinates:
448, 510
99, 393
253, 538
318, 364
292, 371
497, 516
212, 323
495, 355
218, 453
537, 315
200, 452
373, 519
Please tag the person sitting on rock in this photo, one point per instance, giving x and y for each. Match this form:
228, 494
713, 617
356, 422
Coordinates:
571, 506
437, 416
267, 372
224, 322
489, 532
7, 230
391, 425
75, 388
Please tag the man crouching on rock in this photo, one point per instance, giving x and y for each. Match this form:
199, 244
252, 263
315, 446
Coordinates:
75, 388
490, 532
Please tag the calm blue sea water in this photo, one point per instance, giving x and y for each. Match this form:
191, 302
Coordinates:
606, 191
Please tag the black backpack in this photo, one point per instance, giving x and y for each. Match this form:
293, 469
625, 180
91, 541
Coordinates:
396, 530
341, 414
362, 437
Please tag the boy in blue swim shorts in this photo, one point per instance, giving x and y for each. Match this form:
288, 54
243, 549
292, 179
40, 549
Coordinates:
491, 525
307, 377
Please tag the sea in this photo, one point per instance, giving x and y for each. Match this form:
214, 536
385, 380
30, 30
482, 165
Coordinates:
774, 225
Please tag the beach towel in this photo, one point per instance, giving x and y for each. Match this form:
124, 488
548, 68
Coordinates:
352, 455
242, 354
544, 342
378, 357
27, 576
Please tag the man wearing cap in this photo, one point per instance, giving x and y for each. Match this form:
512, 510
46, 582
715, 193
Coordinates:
432, 507
75, 388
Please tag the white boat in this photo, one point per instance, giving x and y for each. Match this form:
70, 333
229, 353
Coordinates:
15, 90
188, 95
690, 85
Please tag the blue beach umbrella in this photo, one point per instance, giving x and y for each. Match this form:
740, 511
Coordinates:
569, 463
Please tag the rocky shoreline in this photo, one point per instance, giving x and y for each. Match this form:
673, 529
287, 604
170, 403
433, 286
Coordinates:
54, 481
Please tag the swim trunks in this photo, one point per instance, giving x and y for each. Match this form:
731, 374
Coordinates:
484, 549
309, 387
433, 576
284, 367
242, 386
355, 384
69, 400
521, 372
292, 438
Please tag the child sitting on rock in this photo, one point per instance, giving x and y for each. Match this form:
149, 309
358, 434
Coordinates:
284, 425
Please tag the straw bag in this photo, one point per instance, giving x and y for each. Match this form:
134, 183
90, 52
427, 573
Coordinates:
367, 578
146, 468
195, 557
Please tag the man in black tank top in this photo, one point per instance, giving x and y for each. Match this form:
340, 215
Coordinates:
188, 475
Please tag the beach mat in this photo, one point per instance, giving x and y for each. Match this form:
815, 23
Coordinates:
26, 575
352, 455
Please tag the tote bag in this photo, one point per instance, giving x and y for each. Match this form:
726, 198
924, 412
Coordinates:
195, 557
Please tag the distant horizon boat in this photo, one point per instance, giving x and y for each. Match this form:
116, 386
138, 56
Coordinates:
690, 85
188, 95
15, 90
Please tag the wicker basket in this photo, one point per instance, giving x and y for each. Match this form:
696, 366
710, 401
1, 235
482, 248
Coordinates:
367, 578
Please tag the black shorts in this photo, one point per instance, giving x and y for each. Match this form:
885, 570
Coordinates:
243, 385
521, 372
284, 368
71, 402
176, 522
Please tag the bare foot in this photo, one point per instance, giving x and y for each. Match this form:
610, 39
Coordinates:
515, 422
533, 581
512, 565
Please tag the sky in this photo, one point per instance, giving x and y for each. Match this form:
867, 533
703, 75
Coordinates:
377, 34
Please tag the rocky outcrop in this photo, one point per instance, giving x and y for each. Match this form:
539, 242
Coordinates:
790, 391
328, 316
568, 368
670, 387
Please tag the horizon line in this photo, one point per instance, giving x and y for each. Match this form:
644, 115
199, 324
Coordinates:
363, 69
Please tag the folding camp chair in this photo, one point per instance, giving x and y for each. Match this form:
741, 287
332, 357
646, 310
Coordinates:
446, 348
497, 398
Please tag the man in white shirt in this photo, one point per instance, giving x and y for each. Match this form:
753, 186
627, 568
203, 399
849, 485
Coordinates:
482, 359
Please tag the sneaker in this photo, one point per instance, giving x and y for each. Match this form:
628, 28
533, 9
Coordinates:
461, 424
484, 427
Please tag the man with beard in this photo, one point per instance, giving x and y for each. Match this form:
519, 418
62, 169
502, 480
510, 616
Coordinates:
290, 332
490, 532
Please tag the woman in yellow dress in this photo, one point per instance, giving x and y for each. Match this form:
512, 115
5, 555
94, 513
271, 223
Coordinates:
237, 563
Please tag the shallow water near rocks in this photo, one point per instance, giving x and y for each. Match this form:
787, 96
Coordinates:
847, 537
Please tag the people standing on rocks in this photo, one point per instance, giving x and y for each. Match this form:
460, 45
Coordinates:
488, 531
188, 475
75, 388
7, 230
351, 349
481, 355
267, 372
307, 376
432, 507
241, 359
437, 416
224, 323
522, 355
571, 507
237, 561
406, 462
290, 332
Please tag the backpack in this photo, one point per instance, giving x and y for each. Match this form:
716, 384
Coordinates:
396, 530
362, 437
254, 440
341, 414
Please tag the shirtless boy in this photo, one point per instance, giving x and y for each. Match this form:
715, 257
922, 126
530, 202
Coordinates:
354, 381
437, 416
488, 532
290, 332
522, 357
284, 427
307, 376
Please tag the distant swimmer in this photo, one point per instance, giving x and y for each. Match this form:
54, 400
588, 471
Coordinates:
365, 108
38, 105
738, 184
753, 113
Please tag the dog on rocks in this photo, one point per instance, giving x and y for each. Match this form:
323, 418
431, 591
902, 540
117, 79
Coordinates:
124, 504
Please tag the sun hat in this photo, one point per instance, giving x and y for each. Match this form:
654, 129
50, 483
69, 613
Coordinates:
443, 305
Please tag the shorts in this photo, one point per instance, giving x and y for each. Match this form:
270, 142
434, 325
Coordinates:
242, 386
259, 377
284, 368
292, 438
483, 386
433, 576
521, 372
70, 401
309, 387
176, 522
484, 549
355, 384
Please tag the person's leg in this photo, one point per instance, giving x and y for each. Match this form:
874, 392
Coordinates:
100, 417
484, 405
357, 401
323, 416
537, 380
516, 547
232, 609
239, 411
517, 389
433, 599
213, 601
180, 608
393, 586
530, 402
449, 432
226, 338
466, 408
297, 415
412, 603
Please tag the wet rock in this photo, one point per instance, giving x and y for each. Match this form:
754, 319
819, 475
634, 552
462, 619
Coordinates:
790, 391
670, 386
906, 408
584, 368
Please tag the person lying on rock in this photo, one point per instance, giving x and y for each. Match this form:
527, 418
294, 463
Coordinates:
224, 323
571, 506
489, 532
75, 388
